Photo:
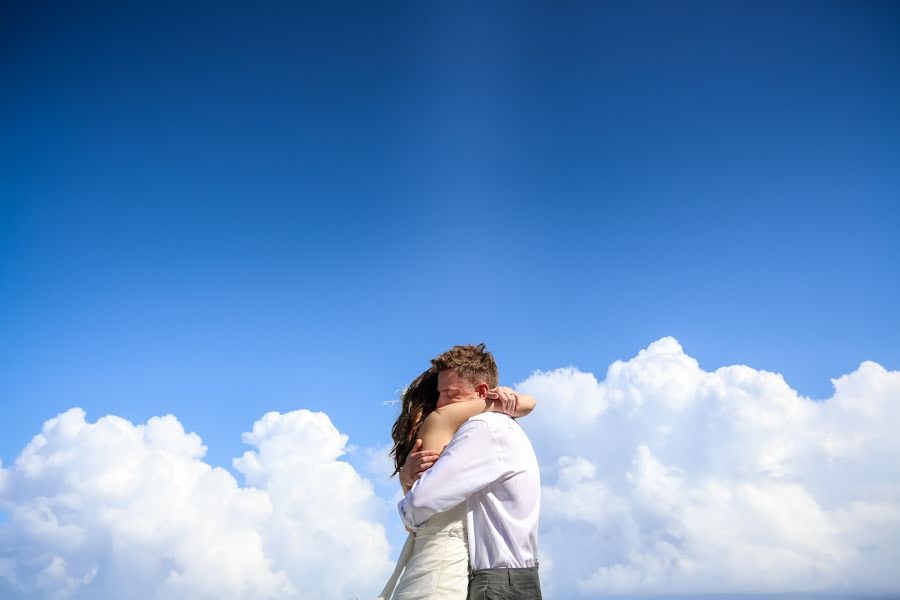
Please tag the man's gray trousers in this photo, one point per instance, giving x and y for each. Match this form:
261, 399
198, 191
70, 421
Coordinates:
505, 584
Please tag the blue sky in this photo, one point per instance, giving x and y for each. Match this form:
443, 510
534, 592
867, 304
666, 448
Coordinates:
217, 211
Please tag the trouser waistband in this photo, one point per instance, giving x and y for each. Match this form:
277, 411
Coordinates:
506, 575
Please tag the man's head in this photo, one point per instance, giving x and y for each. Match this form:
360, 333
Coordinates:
465, 373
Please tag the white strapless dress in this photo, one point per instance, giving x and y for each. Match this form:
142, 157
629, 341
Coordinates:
434, 563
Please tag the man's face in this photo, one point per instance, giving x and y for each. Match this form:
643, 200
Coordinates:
453, 388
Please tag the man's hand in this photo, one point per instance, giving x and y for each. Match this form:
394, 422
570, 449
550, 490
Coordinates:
507, 397
416, 463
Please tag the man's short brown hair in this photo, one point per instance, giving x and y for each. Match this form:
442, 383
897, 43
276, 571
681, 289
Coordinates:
472, 363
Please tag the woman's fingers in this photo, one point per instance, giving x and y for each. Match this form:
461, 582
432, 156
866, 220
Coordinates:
508, 399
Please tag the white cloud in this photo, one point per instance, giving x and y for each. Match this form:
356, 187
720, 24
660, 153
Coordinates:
324, 513
665, 479
98, 509
659, 479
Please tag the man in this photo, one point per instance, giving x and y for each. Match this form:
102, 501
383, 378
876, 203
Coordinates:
490, 464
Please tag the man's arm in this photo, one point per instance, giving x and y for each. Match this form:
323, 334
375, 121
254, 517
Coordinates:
471, 461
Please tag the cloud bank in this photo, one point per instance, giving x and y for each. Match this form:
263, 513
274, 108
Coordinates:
667, 479
112, 510
660, 479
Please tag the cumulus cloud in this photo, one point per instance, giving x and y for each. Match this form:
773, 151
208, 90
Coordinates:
664, 478
659, 479
98, 510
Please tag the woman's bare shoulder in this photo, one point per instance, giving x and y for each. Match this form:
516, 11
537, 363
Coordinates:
436, 430
431, 420
442, 417
439, 426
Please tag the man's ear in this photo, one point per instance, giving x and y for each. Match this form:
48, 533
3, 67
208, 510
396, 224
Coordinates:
482, 390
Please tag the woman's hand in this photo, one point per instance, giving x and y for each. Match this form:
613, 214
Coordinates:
507, 397
510, 402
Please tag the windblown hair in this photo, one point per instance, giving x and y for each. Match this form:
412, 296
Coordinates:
418, 401
473, 364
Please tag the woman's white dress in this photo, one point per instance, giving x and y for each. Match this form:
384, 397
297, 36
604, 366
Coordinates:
434, 563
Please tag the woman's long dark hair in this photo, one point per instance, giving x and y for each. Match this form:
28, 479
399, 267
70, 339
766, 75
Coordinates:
418, 401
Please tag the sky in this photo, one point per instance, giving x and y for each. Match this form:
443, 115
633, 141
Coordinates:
219, 212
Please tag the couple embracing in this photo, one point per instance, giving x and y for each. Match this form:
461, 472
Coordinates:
471, 482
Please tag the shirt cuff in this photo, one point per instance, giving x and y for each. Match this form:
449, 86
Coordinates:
405, 514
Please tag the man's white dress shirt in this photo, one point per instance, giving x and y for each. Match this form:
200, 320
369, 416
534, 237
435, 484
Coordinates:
490, 465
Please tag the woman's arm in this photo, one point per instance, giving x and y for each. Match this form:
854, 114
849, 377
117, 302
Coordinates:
441, 424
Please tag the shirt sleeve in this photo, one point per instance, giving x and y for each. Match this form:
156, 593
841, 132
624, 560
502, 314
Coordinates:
471, 461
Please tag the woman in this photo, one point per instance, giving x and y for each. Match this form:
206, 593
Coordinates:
434, 562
